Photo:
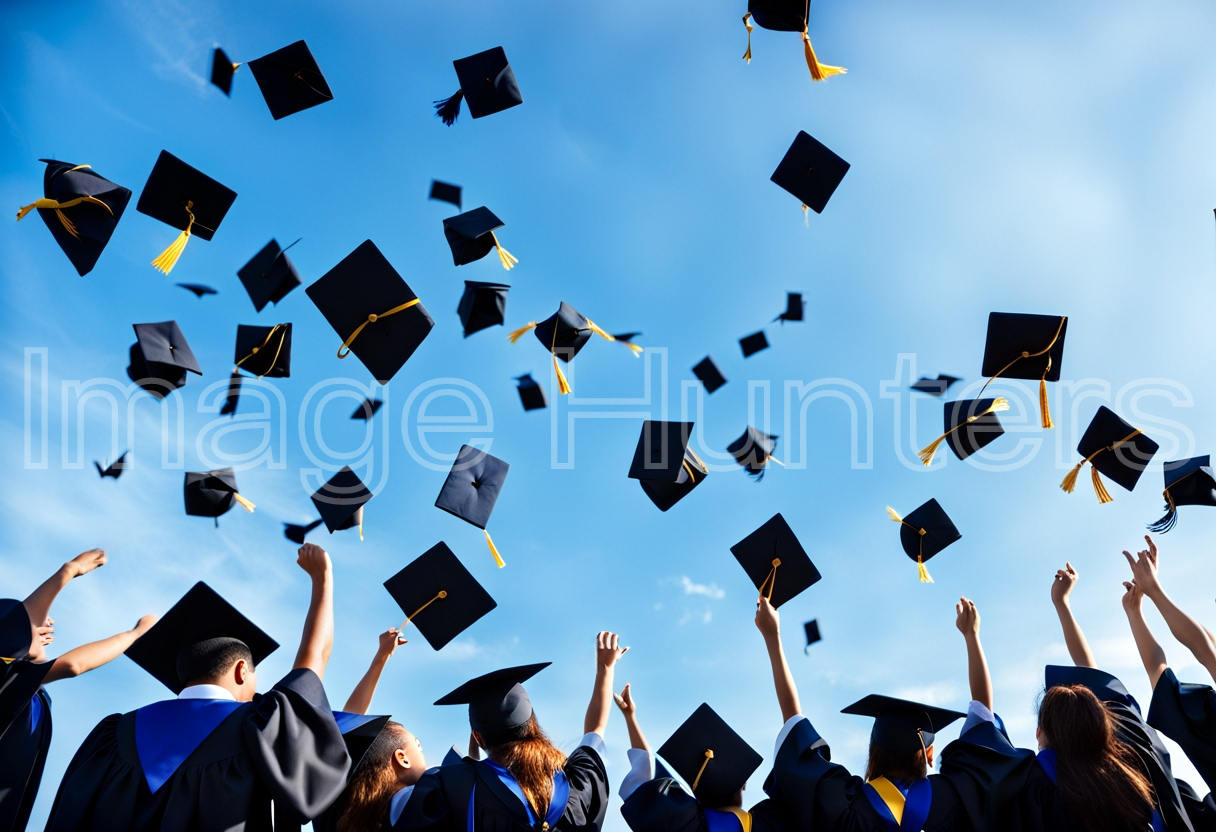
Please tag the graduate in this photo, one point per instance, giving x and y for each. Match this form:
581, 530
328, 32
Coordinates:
525, 783
26, 628
219, 756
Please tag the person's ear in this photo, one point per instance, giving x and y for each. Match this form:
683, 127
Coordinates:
929, 752
477, 738
402, 758
240, 671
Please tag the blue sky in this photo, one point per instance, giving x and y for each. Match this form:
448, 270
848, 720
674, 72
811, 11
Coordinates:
1041, 157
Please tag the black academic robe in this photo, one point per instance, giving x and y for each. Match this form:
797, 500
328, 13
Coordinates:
661, 805
270, 764
1186, 714
441, 801
25, 736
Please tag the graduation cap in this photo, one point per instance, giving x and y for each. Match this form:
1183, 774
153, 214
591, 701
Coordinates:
775, 561
114, 470
340, 501
924, 533
296, 534
714, 760
487, 84
753, 343
200, 615
444, 192
198, 289
753, 450
564, 335
16, 631
367, 409
934, 386
290, 80
359, 732
471, 490
795, 306
81, 209
1188, 482
1112, 447
263, 350
1026, 347
810, 171
439, 595
970, 424
665, 494
185, 198
497, 700
269, 276
213, 493
811, 629
901, 725
482, 305
233, 397
160, 358
531, 394
222, 70
787, 16
375, 312
471, 237
659, 454
709, 374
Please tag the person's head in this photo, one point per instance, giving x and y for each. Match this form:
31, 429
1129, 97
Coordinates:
528, 755
1101, 784
735, 801
226, 662
393, 761
908, 764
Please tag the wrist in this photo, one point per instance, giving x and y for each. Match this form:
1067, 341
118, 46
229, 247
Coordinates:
68, 571
1062, 604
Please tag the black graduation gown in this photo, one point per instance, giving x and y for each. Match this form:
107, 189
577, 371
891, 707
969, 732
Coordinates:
440, 800
1186, 714
25, 736
284, 747
661, 805
820, 795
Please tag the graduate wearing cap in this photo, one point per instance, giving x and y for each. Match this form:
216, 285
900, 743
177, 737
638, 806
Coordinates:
219, 756
26, 628
525, 782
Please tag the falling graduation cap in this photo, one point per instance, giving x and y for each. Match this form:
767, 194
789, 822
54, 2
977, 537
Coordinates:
1112, 447
787, 16
709, 374
714, 760
471, 490
482, 305
183, 197
439, 595
445, 192
263, 351
290, 80
754, 450
269, 276
471, 237
198, 289
811, 172
296, 533
340, 501
924, 533
213, 493
531, 394
1188, 482
564, 334
665, 463
233, 397
754, 343
367, 409
775, 561
934, 386
901, 725
795, 308
1025, 347
113, 470
487, 85
373, 310
222, 70
81, 208
970, 424
160, 358
811, 630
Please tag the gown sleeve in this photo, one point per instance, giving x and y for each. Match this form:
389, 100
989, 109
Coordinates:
993, 779
429, 807
812, 791
1186, 714
19, 683
589, 790
296, 746
1201, 811
661, 805
96, 780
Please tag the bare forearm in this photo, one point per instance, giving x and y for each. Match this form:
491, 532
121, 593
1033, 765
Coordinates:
318, 638
636, 738
1187, 630
783, 680
1074, 638
598, 710
38, 604
1151, 654
978, 677
360, 701
91, 656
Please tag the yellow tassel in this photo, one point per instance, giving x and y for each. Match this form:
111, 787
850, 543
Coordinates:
774, 459
709, 755
806, 216
245, 504
1099, 488
634, 348
747, 56
927, 453
360, 530
168, 258
894, 515
818, 71
1070, 481
494, 551
505, 257
521, 332
563, 386
922, 572
598, 330
1044, 410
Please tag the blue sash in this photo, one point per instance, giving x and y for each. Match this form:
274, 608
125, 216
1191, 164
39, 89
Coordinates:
719, 821
917, 802
166, 733
1047, 759
557, 805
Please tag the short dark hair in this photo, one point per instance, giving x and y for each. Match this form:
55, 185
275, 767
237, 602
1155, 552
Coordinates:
905, 765
206, 661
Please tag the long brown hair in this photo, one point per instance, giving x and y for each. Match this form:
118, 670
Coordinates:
532, 760
1101, 786
372, 784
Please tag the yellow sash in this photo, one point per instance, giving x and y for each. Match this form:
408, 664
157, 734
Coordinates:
891, 796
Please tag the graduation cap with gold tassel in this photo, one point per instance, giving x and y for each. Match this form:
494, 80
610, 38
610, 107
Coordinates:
564, 334
924, 533
213, 493
787, 16
80, 208
970, 425
1112, 447
1025, 347
263, 350
185, 198
340, 501
471, 490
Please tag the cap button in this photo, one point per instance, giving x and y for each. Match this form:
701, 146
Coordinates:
255, 350
1025, 354
171, 346
371, 319
477, 483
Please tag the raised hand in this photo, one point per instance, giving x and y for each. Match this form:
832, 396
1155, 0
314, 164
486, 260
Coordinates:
45, 634
85, 562
967, 617
1063, 584
768, 621
390, 640
1144, 568
314, 560
607, 650
624, 701
1132, 598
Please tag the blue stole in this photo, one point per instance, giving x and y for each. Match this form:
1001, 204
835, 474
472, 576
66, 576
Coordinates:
557, 805
1047, 759
917, 802
36, 710
166, 733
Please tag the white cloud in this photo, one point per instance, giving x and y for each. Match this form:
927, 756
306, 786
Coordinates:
691, 587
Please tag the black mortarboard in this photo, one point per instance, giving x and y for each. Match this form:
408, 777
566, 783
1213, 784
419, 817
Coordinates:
710, 375
233, 396
264, 351
924, 533
753, 343
222, 70
373, 310
788, 16
753, 450
367, 409
198, 289
487, 84
471, 489
711, 757
482, 305
665, 494
439, 595
900, 725
1112, 447
471, 237
1027, 347
934, 386
296, 534
115, 470
969, 425
290, 80
775, 561
269, 276
564, 334
80, 208
212, 493
359, 731
160, 358
200, 615
1188, 482
810, 172
340, 501
531, 394
497, 701
659, 454
795, 307
811, 630
16, 631
444, 192
185, 198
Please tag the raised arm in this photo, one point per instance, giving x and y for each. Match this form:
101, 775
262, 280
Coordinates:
768, 622
1151, 654
1061, 588
978, 678
1186, 629
38, 604
93, 655
607, 652
360, 700
624, 701
317, 641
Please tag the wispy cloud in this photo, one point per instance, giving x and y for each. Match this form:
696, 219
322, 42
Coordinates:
167, 27
691, 587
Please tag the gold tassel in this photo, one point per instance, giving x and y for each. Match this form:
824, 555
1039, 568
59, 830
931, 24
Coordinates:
360, 530
894, 515
245, 504
927, 453
1044, 411
709, 755
747, 56
494, 551
594, 327
922, 572
523, 330
1070, 480
806, 216
818, 71
57, 206
563, 386
508, 260
1100, 488
167, 259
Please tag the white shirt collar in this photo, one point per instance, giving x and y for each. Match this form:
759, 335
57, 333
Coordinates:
206, 692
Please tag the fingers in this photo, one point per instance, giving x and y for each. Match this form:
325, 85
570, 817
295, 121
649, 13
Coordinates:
620, 703
1152, 548
1131, 561
624, 650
